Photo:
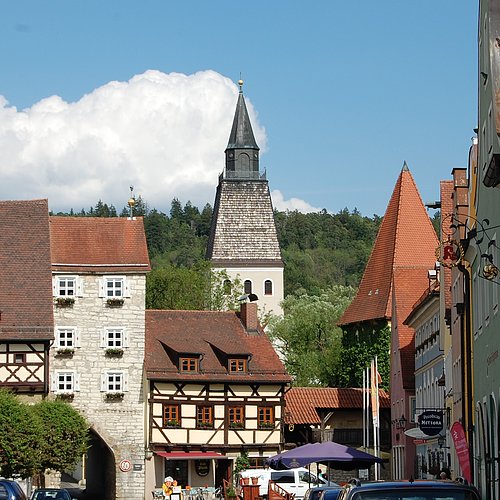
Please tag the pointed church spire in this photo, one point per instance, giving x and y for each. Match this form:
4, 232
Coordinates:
242, 152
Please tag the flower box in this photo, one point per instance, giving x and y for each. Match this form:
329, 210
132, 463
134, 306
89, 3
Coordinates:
114, 352
236, 425
266, 425
64, 352
205, 425
65, 396
172, 424
116, 302
64, 301
114, 396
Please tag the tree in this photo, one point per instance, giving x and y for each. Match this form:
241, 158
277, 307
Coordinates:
20, 438
65, 435
308, 338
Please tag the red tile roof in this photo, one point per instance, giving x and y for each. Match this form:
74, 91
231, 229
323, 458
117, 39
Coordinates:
406, 240
98, 244
302, 403
216, 335
26, 309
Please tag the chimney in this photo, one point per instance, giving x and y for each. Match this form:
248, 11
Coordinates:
248, 316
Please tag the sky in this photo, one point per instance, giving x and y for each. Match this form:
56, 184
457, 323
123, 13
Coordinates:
97, 96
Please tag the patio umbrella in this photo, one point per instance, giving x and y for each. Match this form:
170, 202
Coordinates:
332, 454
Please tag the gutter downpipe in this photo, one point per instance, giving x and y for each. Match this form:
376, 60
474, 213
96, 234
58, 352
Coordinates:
466, 346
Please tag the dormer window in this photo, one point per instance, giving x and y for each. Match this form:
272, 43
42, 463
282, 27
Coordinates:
237, 365
189, 365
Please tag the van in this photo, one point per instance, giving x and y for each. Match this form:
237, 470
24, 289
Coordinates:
296, 481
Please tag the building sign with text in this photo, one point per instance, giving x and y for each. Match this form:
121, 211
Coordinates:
431, 422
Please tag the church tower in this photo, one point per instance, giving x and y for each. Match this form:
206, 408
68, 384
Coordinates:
243, 238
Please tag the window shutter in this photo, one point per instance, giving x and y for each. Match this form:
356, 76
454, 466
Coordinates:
53, 381
57, 342
77, 337
76, 385
79, 286
103, 338
104, 379
126, 288
54, 286
125, 337
125, 381
101, 287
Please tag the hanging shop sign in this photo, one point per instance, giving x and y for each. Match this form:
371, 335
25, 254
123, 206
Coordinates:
431, 422
449, 253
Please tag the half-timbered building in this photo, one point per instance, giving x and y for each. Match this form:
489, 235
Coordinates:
216, 389
26, 320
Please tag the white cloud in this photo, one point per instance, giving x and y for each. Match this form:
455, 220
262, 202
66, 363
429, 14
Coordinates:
279, 203
164, 134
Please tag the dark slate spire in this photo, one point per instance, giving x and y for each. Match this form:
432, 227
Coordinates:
242, 152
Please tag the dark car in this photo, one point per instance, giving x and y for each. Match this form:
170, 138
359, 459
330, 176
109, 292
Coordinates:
50, 494
406, 490
330, 493
314, 493
10, 490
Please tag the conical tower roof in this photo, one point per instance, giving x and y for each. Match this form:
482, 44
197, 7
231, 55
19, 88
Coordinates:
406, 240
241, 132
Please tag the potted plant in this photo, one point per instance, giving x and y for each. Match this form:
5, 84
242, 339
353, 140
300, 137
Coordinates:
115, 302
64, 301
266, 425
172, 424
65, 352
236, 425
114, 396
230, 491
114, 352
204, 425
242, 462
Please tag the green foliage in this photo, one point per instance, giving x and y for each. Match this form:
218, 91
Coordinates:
307, 336
241, 463
196, 288
33, 438
65, 434
360, 344
20, 438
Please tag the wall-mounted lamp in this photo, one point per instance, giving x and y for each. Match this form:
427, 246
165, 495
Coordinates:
401, 422
148, 454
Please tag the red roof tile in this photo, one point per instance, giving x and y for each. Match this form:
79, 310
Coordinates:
99, 244
26, 309
216, 335
302, 402
406, 240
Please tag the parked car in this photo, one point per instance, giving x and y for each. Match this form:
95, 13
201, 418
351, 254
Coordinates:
10, 490
50, 494
296, 481
315, 493
330, 493
406, 490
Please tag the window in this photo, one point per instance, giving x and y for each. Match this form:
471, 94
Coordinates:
19, 357
188, 364
265, 417
65, 286
238, 365
247, 285
268, 287
227, 287
171, 416
204, 417
114, 381
236, 417
65, 381
114, 337
113, 287
66, 337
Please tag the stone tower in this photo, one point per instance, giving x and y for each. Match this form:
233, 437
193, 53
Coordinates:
243, 238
